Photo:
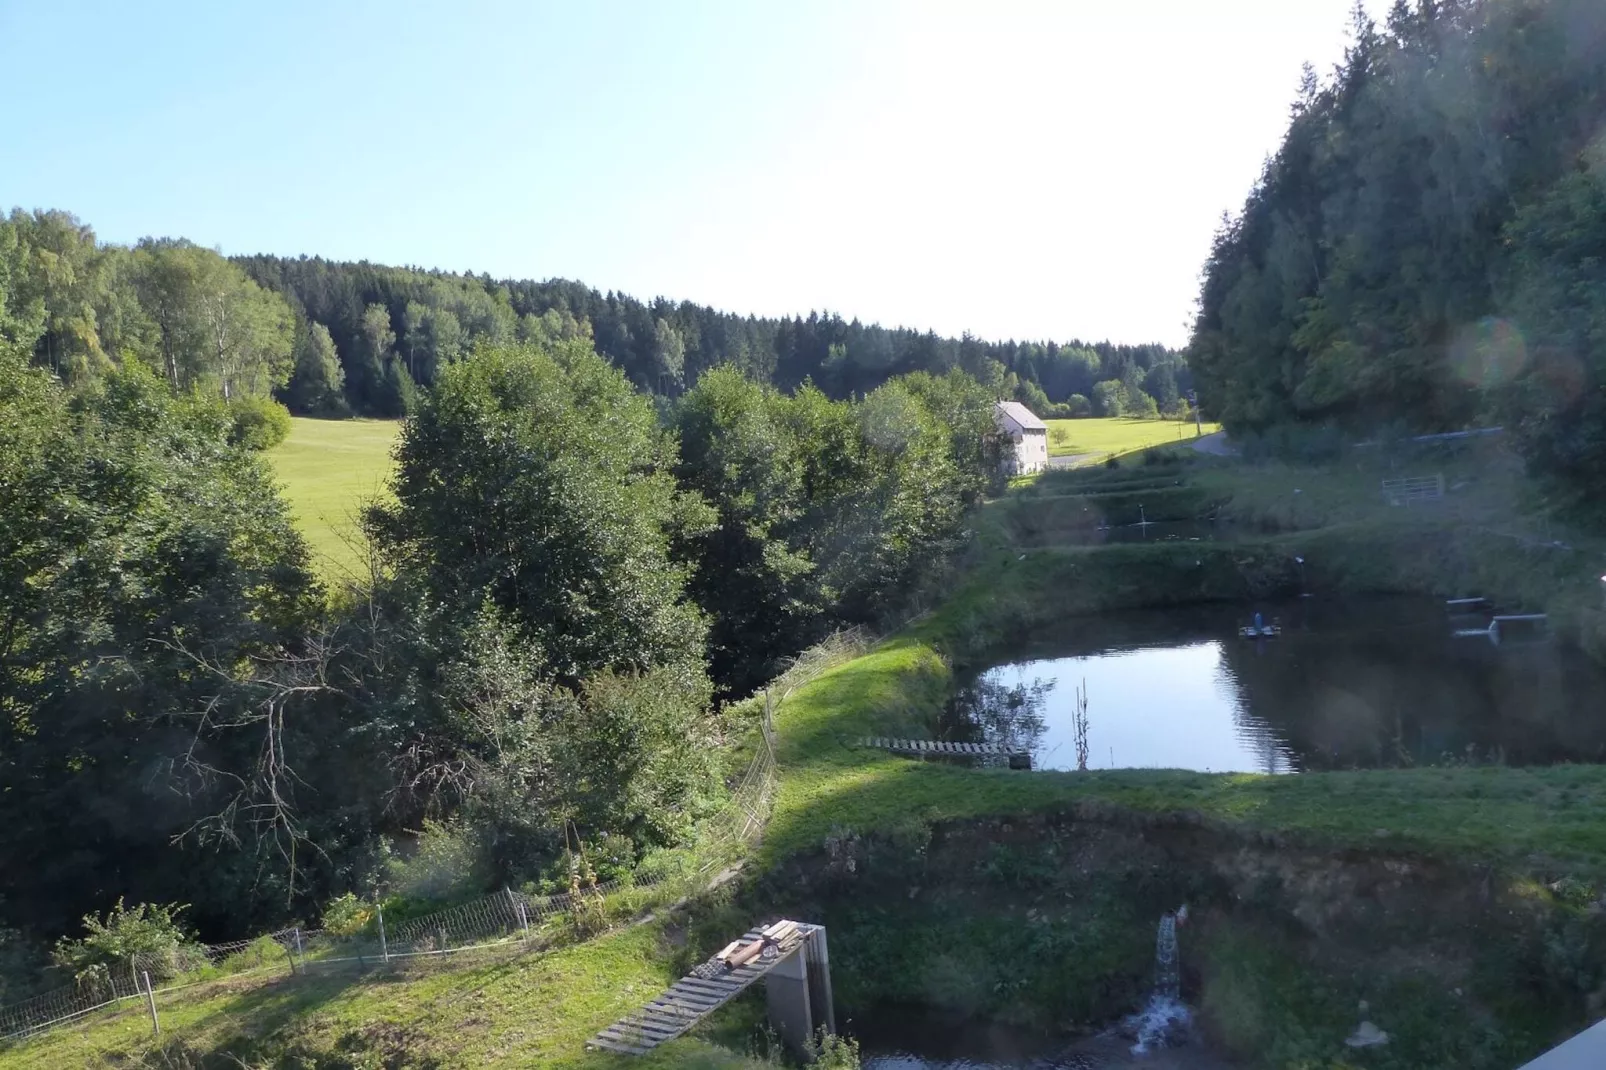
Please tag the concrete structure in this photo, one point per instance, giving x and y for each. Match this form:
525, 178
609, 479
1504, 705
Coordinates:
1027, 435
1586, 1051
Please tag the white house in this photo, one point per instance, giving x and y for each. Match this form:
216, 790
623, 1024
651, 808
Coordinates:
1028, 437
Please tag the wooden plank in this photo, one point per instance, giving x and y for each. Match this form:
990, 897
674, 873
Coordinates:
638, 1032
643, 1029
609, 1044
698, 1002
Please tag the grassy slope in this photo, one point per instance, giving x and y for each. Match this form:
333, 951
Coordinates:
1543, 822
328, 469
1116, 435
533, 1010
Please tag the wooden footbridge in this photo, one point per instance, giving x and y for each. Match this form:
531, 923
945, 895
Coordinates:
938, 748
791, 954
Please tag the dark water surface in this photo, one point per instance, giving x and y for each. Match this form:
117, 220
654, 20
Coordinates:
895, 1038
1359, 683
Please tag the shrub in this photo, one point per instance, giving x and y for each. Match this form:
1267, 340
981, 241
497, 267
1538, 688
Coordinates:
149, 931
347, 916
830, 1052
258, 423
447, 861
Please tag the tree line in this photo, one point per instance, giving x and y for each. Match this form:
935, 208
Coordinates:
335, 339
1425, 248
572, 581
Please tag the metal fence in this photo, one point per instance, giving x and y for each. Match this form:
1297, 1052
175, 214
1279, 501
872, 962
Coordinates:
505, 918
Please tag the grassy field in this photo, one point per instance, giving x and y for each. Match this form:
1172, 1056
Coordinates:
328, 469
1106, 436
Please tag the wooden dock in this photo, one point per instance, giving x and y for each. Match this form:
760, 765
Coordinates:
700, 993
940, 748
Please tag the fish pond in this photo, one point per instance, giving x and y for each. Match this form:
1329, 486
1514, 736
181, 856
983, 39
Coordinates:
1353, 683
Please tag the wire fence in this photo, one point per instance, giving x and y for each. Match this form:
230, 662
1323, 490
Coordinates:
505, 918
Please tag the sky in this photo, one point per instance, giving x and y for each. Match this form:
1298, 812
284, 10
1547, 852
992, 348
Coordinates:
1047, 170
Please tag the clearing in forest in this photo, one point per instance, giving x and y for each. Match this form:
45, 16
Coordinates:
1115, 435
329, 469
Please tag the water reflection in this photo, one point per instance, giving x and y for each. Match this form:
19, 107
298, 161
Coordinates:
1009, 713
1363, 683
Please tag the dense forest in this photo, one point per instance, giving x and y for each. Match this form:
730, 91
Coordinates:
333, 339
1427, 248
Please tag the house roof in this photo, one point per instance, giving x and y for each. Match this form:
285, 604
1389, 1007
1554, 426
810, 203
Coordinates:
1021, 415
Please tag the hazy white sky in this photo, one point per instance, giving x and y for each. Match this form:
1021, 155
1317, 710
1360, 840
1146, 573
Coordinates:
1026, 170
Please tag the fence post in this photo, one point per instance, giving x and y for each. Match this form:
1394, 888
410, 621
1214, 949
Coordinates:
150, 998
300, 954
524, 920
384, 949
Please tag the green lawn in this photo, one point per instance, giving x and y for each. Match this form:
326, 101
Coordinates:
329, 468
1116, 435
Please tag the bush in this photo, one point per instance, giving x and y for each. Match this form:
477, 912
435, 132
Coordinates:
148, 930
448, 861
347, 916
829, 1052
258, 423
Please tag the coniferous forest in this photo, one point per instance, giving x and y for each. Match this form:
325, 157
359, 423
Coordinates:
1425, 249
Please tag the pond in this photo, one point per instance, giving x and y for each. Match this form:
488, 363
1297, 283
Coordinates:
1357, 683
901, 1038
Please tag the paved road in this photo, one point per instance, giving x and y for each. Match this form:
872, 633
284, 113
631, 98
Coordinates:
1071, 460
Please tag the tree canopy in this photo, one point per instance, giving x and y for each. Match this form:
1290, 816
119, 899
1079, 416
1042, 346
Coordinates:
1423, 248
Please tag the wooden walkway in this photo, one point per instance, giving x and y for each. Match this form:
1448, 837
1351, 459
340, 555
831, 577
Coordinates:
699, 994
938, 747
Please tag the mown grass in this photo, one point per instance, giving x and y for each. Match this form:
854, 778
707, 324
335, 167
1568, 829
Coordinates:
1116, 435
528, 1010
329, 469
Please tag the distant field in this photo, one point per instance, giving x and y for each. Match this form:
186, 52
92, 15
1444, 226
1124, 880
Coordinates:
1106, 435
329, 468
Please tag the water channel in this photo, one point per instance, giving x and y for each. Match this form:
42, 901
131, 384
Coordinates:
1354, 683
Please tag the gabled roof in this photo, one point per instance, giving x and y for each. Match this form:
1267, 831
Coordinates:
1021, 415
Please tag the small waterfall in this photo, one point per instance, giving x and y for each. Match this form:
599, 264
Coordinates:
1167, 970
1165, 1015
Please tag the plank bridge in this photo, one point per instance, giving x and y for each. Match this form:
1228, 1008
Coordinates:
791, 954
943, 748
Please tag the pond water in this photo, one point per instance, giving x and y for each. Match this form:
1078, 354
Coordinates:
898, 1038
1359, 683
1164, 531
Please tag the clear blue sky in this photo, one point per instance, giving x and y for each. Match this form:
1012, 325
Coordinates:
1012, 169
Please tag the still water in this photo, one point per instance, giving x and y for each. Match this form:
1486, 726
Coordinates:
1359, 683
895, 1038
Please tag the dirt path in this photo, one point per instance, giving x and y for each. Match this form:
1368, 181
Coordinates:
1215, 444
